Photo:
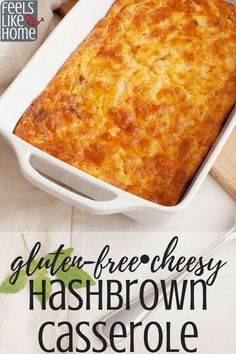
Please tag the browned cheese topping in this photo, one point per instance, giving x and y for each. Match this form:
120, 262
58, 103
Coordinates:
143, 99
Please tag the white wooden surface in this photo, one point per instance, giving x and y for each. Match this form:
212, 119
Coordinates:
24, 208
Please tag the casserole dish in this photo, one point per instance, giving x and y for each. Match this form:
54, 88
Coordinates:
57, 177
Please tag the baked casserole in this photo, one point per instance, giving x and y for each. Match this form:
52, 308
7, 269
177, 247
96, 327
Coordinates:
141, 102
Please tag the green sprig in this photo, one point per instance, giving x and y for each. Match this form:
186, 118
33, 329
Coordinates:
42, 274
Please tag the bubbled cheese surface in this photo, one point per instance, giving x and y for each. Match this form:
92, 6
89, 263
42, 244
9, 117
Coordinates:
143, 99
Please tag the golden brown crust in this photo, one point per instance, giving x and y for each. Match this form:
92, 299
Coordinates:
142, 100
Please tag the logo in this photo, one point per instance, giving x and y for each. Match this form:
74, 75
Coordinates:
19, 21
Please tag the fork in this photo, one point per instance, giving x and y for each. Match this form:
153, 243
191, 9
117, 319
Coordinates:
137, 313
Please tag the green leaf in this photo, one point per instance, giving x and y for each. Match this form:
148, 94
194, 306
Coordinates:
72, 274
8, 288
66, 253
38, 272
38, 287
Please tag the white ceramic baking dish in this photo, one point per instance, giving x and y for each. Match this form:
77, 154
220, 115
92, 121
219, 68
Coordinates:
56, 177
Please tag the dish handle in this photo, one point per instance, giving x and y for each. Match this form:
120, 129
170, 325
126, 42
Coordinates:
116, 204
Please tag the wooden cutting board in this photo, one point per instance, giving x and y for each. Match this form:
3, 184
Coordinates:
224, 169
62, 11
